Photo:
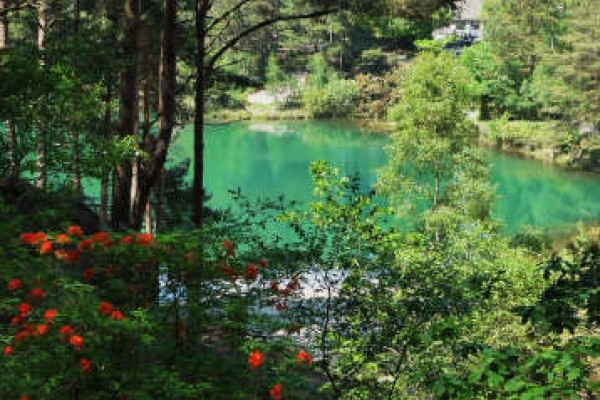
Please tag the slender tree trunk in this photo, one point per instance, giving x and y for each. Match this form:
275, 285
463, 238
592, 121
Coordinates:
41, 163
107, 133
77, 187
42, 24
13, 170
4, 31
166, 110
436, 192
202, 8
160, 202
14, 166
127, 117
146, 134
76, 163
104, 196
76, 15
139, 168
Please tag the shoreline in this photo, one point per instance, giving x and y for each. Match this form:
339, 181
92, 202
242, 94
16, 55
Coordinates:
585, 157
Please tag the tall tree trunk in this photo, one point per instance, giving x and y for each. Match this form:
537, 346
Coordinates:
202, 8
41, 162
127, 117
140, 167
160, 202
77, 187
13, 170
436, 191
166, 110
76, 15
42, 24
4, 31
14, 164
76, 163
146, 131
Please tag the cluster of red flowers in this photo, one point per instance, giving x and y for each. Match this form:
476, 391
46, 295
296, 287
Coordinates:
143, 239
257, 358
66, 249
250, 272
293, 284
107, 309
27, 330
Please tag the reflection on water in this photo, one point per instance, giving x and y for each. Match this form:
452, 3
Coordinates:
270, 158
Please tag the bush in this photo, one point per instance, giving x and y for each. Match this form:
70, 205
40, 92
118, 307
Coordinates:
336, 99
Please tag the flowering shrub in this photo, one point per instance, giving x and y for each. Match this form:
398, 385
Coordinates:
88, 305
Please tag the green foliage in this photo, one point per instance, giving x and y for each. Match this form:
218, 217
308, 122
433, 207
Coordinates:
326, 94
559, 368
336, 99
391, 312
575, 287
276, 78
431, 158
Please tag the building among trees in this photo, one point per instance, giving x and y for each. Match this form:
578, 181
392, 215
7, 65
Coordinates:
467, 22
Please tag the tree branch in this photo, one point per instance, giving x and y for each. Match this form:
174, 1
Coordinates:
233, 41
226, 14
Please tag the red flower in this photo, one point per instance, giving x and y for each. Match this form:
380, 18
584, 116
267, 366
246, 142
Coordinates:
275, 391
75, 230
63, 239
229, 271
117, 315
37, 294
129, 239
50, 314
72, 256
303, 356
281, 306
8, 351
145, 239
88, 274
22, 334
41, 329
76, 341
85, 365
262, 262
24, 309
251, 272
66, 330
46, 247
229, 247
101, 237
16, 320
86, 244
14, 285
33, 238
24, 397
294, 284
275, 286
256, 359
105, 308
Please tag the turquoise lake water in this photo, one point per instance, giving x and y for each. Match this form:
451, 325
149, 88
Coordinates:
267, 158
